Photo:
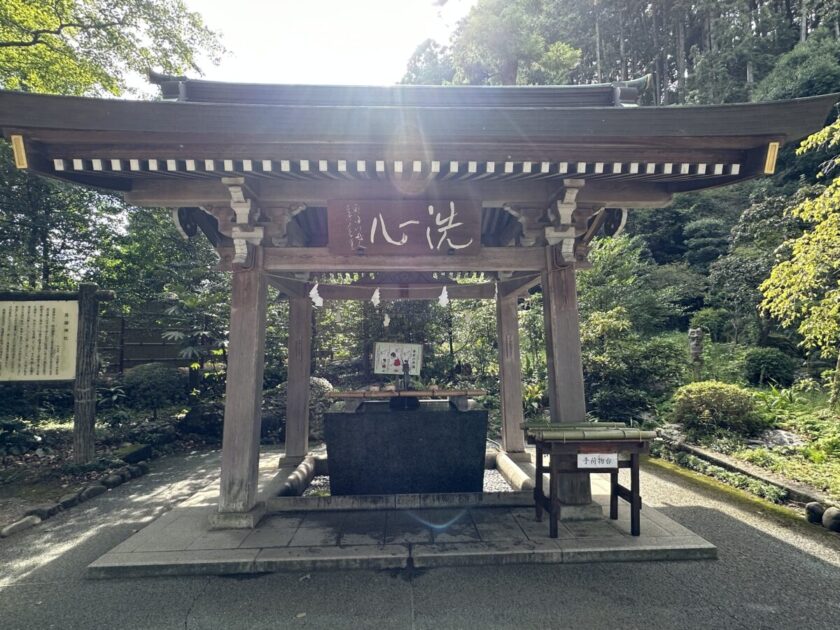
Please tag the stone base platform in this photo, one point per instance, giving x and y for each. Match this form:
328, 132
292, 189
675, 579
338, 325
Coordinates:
181, 541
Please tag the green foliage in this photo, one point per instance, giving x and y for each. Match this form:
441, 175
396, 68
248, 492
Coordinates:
153, 385
622, 276
810, 68
429, 65
534, 400
804, 289
83, 46
737, 480
274, 408
626, 375
712, 320
705, 242
498, 44
706, 406
769, 365
16, 433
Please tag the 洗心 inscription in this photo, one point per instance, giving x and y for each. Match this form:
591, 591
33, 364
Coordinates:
38, 340
404, 227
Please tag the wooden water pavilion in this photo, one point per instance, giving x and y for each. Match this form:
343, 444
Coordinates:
405, 185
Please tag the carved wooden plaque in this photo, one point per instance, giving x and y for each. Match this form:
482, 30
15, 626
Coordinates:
415, 228
38, 340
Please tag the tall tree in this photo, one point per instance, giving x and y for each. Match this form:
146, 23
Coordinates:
82, 46
804, 290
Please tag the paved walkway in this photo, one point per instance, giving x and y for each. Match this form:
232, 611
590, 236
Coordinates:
770, 574
409, 534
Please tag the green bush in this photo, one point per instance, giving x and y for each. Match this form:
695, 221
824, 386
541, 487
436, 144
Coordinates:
15, 433
274, 408
626, 375
153, 385
769, 365
712, 320
707, 406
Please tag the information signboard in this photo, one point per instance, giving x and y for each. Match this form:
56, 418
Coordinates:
389, 358
38, 340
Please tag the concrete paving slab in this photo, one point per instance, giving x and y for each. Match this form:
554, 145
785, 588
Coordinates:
483, 553
318, 530
497, 526
156, 563
468, 532
363, 528
636, 549
374, 557
403, 526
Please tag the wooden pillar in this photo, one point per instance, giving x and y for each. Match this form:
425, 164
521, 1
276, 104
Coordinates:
297, 394
510, 372
84, 387
243, 393
565, 368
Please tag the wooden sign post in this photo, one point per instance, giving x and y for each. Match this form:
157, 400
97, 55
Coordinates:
51, 336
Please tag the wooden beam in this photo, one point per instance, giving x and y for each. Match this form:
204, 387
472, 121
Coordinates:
518, 285
565, 367
243, 391
299, 365
319, 259
154, 192
297, 288
510, 373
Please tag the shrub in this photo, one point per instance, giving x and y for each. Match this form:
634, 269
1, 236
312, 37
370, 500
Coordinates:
15, 433
769, 365
712, 320
625, 375
704, 407
274, 408
153, 385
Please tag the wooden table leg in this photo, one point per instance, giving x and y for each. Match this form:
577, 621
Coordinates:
636, 504
614, 494
538, 486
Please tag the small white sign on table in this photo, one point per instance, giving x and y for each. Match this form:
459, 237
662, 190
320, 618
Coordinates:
597, 460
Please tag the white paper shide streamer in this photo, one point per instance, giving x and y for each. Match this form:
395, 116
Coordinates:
375, 297
386, 321
443, 299
316, 298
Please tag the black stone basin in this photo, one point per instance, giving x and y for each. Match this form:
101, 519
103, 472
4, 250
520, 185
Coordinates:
378, 450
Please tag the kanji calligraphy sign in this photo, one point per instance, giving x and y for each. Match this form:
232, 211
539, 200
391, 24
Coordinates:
413, 227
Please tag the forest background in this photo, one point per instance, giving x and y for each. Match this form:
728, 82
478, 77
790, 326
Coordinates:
756, 265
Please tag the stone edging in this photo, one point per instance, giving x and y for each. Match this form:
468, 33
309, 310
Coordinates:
796, 491
40, 513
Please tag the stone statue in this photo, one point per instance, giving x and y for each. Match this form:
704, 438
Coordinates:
695, 349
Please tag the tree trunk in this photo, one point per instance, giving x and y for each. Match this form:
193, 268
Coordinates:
681, 61
597, 44
621, 52
803, 20
834, 395
657, 62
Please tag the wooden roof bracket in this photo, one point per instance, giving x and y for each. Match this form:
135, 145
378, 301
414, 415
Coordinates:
567, 223
245, 234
